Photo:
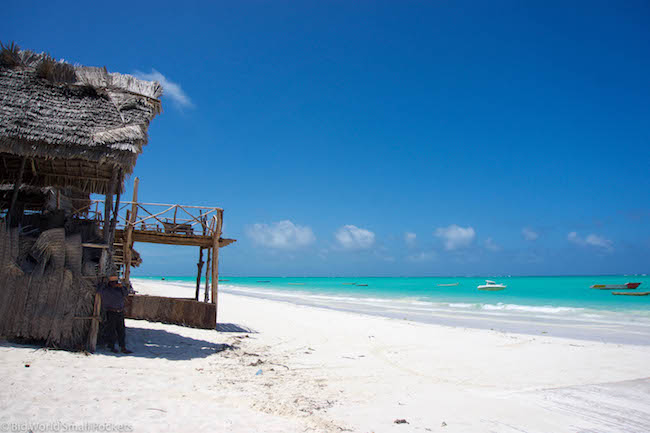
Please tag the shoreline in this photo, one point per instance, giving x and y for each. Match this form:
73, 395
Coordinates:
295, 368
608, 326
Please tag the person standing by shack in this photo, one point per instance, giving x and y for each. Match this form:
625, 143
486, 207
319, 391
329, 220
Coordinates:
113, 296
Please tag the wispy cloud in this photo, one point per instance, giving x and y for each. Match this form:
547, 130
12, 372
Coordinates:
170, 88
591, 240
599, 241
354, 238
281, 235
456, 237
424, 256
410, 239
529, 234
491, 245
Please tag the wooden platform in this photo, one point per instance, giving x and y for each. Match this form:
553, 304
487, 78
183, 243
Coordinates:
156, 237
177, 311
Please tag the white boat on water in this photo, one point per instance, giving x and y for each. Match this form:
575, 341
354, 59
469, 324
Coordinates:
491, 286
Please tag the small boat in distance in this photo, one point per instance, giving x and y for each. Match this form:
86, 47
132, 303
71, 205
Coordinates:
491, 286
447, 285
631, 293
628, 286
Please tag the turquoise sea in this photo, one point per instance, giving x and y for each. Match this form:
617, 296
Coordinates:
573, 291
555, 306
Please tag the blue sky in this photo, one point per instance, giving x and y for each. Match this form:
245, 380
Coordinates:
386, 138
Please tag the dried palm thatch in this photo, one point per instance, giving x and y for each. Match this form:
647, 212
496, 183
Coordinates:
186, 312
52, 307
75, 124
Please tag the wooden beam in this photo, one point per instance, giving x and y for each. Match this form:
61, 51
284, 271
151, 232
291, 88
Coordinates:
153, 237
206, 294
116, 210
199, 267
215, 258
108, 206
14, 195
94, 325
225, 242
128, 242
92, 245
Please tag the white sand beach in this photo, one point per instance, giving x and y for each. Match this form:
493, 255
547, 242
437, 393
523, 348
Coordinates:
302, 368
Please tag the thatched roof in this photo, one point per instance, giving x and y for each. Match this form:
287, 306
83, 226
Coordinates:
75, 124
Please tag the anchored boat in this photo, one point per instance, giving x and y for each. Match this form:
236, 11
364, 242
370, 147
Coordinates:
491, 286
628, 286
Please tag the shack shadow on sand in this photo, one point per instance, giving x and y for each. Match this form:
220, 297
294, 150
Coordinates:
235, 328
150, 343
158, 343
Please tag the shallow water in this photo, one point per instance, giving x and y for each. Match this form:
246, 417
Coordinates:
541, 294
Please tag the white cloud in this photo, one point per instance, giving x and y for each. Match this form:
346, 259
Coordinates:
591, 240
354, 238
410, 239
456, 237
170, 89
424, 256
529, 234
598, 241
281, 235
490, 245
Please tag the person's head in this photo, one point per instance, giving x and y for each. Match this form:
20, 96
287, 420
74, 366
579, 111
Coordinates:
112, 280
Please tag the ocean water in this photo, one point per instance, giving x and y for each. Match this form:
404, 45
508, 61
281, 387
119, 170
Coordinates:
522, 293
558, 306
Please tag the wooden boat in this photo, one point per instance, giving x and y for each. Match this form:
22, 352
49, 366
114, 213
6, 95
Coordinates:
448, 285
631, 293
628, 286
491, 286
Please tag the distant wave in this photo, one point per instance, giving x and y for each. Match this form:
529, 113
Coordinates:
422, 306
530, 308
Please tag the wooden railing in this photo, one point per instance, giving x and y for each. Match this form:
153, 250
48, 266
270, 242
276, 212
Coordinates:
158, 217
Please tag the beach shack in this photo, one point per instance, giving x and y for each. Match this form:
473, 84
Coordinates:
66, 132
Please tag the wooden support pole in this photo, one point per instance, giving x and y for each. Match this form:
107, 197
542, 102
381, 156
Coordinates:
206, 295
118, 183
108, 206
94, 324
199, 266
14, 194
128, 242
215, 257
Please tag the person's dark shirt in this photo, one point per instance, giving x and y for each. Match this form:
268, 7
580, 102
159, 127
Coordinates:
113, 296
